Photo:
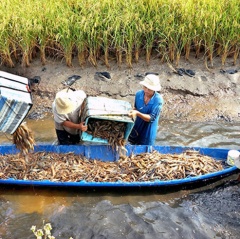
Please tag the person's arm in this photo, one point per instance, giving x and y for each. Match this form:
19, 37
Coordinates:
70, 124
147, 117
135, 113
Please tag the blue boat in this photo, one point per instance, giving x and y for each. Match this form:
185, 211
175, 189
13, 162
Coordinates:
104, 153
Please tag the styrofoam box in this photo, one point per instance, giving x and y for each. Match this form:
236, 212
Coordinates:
103, 108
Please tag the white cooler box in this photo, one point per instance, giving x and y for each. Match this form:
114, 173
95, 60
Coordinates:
15, 101
103, 108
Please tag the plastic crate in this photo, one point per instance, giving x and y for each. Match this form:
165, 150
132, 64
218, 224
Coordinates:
102, 108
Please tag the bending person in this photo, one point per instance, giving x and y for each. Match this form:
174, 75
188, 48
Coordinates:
147, 108
66, 111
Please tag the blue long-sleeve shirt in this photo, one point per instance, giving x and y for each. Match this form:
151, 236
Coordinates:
145, 133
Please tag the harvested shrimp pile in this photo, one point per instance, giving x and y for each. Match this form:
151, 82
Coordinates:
112, 131
23, 138
73, 168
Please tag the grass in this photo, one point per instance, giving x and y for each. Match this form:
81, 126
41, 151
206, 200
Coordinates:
122, 30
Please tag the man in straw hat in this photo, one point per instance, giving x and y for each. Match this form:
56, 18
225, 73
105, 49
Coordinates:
146, 112
66, 111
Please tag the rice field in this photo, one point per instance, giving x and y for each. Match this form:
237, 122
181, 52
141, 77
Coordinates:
120, 30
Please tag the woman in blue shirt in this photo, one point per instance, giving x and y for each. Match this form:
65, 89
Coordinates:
147, 107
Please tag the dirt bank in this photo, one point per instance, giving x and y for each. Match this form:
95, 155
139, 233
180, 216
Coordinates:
207, 96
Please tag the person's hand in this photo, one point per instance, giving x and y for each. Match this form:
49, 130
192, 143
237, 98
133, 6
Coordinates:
83, 127
133, 113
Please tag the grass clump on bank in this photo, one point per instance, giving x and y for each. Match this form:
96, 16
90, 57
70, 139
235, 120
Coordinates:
118, 29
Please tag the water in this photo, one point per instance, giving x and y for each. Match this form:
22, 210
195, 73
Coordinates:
206, 134
209, 212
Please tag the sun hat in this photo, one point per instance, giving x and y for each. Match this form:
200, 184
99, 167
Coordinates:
152, 82
63, 102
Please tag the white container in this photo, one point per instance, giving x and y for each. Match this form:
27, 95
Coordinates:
233, 157
102, 108
15, 101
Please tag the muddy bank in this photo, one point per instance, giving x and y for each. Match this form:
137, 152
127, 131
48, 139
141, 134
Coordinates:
210, 95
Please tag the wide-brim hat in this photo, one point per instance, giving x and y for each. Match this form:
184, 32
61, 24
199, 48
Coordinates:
63, 102
152, 82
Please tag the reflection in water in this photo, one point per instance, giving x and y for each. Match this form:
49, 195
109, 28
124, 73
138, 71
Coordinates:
208, 212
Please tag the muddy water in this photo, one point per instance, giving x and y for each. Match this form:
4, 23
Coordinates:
207, 212
204, 134
43, 130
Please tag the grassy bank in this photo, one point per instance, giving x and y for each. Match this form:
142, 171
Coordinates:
95, 30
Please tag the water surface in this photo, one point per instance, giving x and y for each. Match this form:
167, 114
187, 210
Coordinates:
210, 212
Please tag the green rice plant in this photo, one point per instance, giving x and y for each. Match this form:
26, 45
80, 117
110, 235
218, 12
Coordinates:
133, 29
61, 35
118, 42
81, 40
80, 32
236, 50
137, 38
186, 28
128, 27
161, 29
129, 45
45, 10
106, 46
228, 30
152, 22
210, 12
116, 33
108, 21
5, 33
149, 40
198, 17
93, 37
64, 37
93, 30
172, 32
24, 30
182, 30
149, 35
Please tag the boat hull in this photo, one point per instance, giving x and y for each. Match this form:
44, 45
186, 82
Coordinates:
104, 153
